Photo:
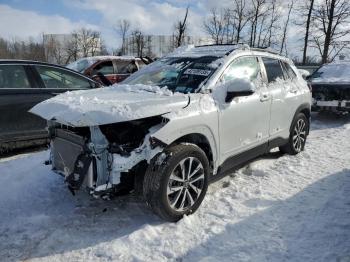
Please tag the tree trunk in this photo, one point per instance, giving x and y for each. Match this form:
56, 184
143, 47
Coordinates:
308, 22
328, 38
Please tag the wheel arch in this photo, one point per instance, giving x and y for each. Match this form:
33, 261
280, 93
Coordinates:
199, 140
304, 109
200, 135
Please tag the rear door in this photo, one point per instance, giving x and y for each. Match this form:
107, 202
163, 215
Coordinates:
104, 69
284, 94
124, 69
19, 92
55, 80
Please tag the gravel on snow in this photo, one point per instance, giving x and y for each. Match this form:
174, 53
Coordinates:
278, 208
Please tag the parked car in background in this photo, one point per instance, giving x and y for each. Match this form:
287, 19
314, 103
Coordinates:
310, 68
108, 69
174, 127
331, 87
23, 84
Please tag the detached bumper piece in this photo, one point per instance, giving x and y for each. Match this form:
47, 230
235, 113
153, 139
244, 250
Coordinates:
81, 167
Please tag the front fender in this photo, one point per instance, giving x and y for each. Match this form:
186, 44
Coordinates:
174, 130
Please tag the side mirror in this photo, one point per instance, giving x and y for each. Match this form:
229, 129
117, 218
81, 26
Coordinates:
304, 73
239, 87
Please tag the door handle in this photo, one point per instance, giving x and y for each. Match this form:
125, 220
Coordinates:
264, 97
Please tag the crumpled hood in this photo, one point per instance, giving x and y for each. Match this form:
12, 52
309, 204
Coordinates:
108, 105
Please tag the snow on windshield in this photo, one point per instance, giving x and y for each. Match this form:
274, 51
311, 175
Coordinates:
178, 74
337, 72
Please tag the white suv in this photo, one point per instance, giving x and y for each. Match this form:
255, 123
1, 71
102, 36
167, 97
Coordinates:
179, 124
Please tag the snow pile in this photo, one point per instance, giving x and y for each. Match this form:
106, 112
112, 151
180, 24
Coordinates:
278, 208
113, 104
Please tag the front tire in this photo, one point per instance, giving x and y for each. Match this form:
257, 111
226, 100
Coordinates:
176, 181
298, 135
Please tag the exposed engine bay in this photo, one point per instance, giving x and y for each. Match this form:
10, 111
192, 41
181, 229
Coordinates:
99, 158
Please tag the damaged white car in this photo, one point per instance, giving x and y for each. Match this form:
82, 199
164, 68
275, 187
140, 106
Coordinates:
178, 124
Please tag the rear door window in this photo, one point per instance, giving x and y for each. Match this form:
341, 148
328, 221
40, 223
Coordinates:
273, 68
58, 78
126, 67
13, 76
105, 68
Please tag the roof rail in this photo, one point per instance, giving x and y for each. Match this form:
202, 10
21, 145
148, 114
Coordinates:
238, 45
265, 49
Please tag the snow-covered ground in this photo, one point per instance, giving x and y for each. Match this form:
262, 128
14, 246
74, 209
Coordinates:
278, 208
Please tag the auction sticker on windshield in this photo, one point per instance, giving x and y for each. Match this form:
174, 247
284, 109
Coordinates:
199, 72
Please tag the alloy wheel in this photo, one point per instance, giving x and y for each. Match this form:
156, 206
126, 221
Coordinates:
299, 135
185, 184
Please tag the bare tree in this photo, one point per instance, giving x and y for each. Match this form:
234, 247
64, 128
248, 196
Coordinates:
305, 10
332, 18
241, 17
53, 50
123, 28
180, 30
273, 26
214, 26
285, 29
258, 11
89, 41
138, 41
72, 49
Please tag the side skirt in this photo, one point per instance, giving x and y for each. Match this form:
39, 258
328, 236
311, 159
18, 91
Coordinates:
238, 161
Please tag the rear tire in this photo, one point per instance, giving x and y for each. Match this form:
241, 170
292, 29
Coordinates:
298, 135
176, 181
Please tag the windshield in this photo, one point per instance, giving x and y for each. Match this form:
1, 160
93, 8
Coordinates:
332, 73
184, 75
81, 65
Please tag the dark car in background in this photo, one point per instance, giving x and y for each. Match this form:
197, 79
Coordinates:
331, 87
23, 84
108, 69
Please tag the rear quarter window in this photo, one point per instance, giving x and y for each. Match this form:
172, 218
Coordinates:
289, 72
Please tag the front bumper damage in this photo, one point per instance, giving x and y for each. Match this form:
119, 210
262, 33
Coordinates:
92, 162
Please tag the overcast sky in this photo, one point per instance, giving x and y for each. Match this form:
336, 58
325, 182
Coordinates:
31, 18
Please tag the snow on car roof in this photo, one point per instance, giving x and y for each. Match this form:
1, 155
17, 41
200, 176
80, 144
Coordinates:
109, 57
199, 51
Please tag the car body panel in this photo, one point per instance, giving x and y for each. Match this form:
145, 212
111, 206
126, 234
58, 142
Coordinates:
18, 127
231, 128
110, 105
331, 87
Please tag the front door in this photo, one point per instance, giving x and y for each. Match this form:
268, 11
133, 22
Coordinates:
244, 122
